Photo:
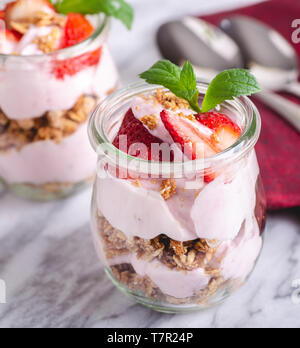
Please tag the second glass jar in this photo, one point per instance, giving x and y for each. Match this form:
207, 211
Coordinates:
45, 103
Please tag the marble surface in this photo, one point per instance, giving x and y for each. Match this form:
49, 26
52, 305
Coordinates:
47, 260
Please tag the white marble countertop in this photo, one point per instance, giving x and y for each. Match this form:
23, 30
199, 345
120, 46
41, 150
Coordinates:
47, 260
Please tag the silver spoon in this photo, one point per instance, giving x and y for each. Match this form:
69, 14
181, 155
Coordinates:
208, 47
201, 43
267, 53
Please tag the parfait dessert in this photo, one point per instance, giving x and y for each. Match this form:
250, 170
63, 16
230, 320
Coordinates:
178, 230
55, 66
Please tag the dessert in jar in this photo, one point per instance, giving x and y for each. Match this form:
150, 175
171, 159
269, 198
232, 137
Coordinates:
180, 230
54, 68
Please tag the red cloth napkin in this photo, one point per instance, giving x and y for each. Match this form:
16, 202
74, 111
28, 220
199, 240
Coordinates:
278, 149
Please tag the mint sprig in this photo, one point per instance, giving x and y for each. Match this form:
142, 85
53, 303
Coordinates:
119, 9
183, 83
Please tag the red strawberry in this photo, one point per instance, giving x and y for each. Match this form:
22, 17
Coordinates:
187, 135
72, 66
136, 133
77, 29
226, 136
9, 35
25, 9
226, 132
209, 177
215, 120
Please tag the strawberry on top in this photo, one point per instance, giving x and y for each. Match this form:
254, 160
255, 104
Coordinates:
196, 135
38, 24
76, 30
26, 10
34, 27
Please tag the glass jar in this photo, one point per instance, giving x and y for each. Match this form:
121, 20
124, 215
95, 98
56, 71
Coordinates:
45, 103
194, 250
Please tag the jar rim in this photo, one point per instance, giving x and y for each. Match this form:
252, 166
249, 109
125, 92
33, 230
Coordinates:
246, 142
101, 29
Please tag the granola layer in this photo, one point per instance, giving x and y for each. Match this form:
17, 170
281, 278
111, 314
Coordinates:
176, 256
54, 125
182, 256
198, 263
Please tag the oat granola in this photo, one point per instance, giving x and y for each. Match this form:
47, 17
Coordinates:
48, 43
54, 125
168, 189
150, 121
182, 256
41, 19
170, 101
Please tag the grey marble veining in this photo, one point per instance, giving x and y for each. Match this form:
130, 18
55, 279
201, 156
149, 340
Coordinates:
47, 259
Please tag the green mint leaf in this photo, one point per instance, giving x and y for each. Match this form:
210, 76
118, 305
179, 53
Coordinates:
228, 85
119, 9
190, 92
163, 73
182, 83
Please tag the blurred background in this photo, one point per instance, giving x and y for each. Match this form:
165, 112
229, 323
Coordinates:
136, 50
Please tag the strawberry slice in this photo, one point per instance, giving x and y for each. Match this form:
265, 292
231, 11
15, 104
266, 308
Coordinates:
70, 67
226, 132
9, 35
22, 10
77, 29
136, 133
209, 176
193, 143
215, 120
226, 136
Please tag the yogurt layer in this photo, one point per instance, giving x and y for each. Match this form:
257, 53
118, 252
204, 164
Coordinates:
240, 255
37, 90
174, 283
137, 211
43, 162
216, 212
221, 207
